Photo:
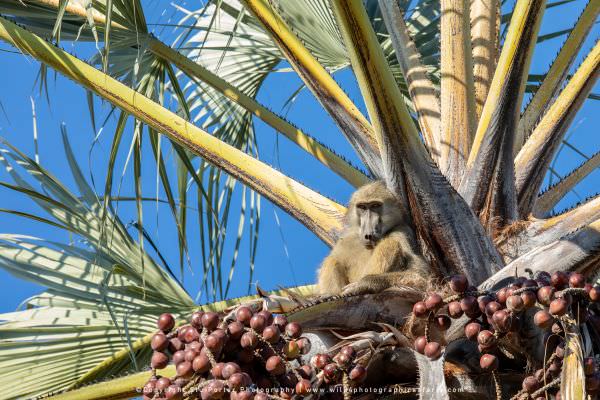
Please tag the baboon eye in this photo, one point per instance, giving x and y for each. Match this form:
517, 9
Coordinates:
361, 207
376, 206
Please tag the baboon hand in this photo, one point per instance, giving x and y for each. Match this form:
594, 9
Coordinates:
357, 288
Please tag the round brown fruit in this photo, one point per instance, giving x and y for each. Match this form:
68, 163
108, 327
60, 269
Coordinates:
420, 344
576, 280
433, 302
486, 338
235, 330
488, 362
214, 390
459, 283
331, 371
502, 320
162, 383
201, 363
472, 329
190, 354
159, 360
196, 319
281, 321
529, 298
492, 307
530, 384
165, 322
210, 320
243, 315
249, 340
501, 295
559, 280
189, 334
545, 294
559, 307
304, 345
229, 369
185, 370
258, 323
214, 343
275, 365
159, 342
515, 303
293, 330
319, 361
420, 309
433, 350
271, 334
595, 294
267, 315
291, 350
589, 365
303, 387
175, 345
358, 373
543, 319
454, 310
470, 307
483, 301
217, 370
178, 356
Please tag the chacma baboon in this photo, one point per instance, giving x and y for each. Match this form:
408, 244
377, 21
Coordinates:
376, 249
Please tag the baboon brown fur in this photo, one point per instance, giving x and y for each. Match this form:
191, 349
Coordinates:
376, 250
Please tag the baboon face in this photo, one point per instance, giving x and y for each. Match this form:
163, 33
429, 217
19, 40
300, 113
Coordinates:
370, 222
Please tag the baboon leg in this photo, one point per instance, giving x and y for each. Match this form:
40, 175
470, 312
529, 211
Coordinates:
331, 278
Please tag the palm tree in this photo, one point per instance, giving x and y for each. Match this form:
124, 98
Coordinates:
445, 130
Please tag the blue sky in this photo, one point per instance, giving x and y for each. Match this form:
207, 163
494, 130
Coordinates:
288, 253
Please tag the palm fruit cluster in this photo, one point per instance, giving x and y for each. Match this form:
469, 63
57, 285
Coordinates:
492, 315
247, 354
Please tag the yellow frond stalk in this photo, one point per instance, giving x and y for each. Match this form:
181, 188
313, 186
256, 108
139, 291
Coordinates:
485, 26
320, 214
557, 73
457, 89
348, 117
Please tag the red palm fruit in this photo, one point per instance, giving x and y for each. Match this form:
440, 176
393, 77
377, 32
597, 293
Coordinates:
184, 369
243, 315
319, 361
492, 307
267, 315
595, 294
576, 280
190, 354
271, 334
235, 330
530, 283
560, 350
515, 303
433, 302
454, 310
159, 360
420, 309
210, 320
196, 345
281, 321
331, 372
217, 370
543, 319
305, 371
539, 374
201, 363
189, 334
275, 365
237, 380
501, 295
349, 351
470, 307
459, 283
196, 319
162, 383
243, 395
175, 345
214, 390
165, 322
483, 301
529, 298
486, 338
291, 350
159, 342
303, 387
559, 307
545, 295
472, 329
342, 360
589, 365
174, 392
555, 367
488, 362
214, 343
442, 322
178, 356
530, 384
559, 280
150, 387
293, 330
304, 345
261, 396
249, 340
433, 350
229, 369
358, 373
502, 320
420, 344
258, 323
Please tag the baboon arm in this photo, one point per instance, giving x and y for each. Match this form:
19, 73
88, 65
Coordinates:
381, 282
331, 276
389, 254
